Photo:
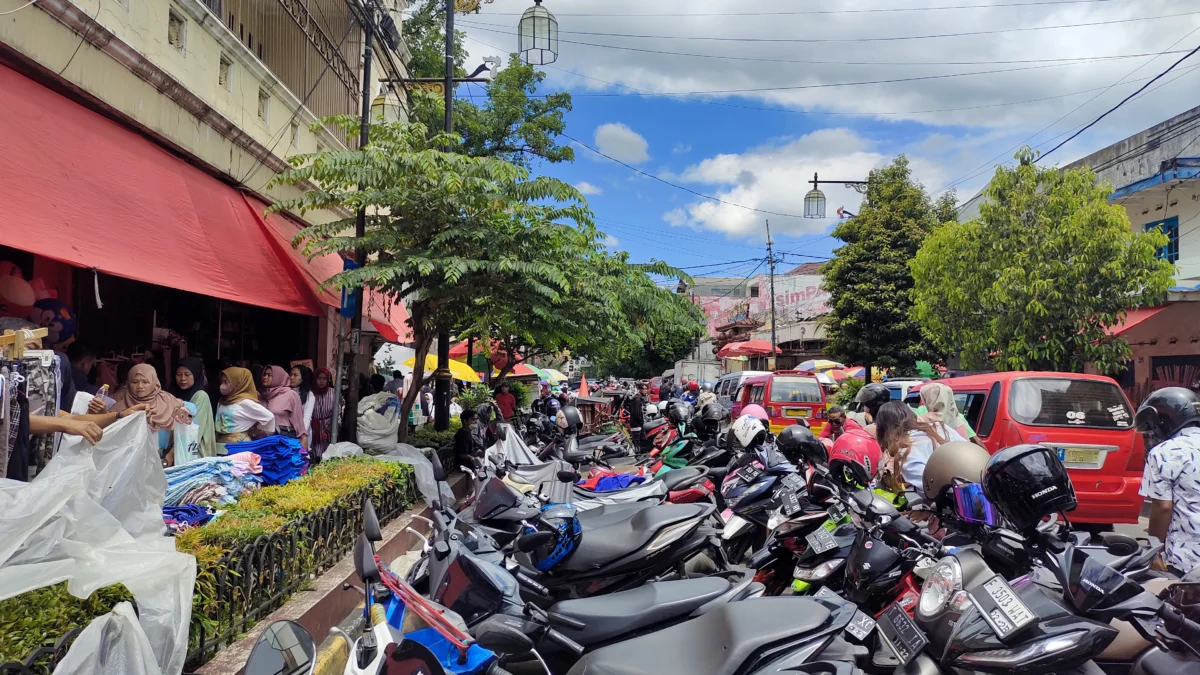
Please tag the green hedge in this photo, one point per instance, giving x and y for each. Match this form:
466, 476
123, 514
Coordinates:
40, 617
426, 437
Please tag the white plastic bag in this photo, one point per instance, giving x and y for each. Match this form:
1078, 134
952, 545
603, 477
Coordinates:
342, 449
377, 433
112, 644
187, 443
93, 518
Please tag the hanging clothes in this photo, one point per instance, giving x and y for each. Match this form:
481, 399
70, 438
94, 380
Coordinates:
42, 389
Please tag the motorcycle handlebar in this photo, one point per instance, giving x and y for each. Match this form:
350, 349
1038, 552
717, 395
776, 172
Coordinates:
564, 642
565, 621
529, 583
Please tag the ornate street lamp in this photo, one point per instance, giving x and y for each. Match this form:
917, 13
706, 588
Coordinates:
537, 36
814, 201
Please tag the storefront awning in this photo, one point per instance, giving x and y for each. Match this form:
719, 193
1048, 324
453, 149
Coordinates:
1133, 317
82, 189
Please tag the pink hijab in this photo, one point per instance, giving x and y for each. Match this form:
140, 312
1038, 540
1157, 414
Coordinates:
162, 405
283, 401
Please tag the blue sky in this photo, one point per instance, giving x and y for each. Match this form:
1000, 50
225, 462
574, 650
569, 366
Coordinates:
954, 129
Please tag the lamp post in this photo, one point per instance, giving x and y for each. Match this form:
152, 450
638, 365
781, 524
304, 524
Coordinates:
814, 201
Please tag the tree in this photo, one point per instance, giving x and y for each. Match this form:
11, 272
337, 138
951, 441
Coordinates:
870, 320
445, 232
1038, 278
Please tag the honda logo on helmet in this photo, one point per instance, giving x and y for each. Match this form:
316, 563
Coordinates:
1042, 493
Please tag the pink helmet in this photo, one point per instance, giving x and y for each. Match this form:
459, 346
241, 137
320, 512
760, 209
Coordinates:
757, 411
857, 455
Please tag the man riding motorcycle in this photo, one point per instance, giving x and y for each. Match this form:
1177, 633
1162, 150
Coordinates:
1169, 420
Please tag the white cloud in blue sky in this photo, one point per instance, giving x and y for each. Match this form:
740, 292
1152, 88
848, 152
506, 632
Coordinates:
619, 141
588, 189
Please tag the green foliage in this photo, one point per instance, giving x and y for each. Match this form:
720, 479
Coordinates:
520, 392
426, 437
849, 389
424, 31
474, 396
1037, 279
870, 319
38, 618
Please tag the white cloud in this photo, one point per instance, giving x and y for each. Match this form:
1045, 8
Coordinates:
676, 217
611, 241
588, 189
681, 148
619, 141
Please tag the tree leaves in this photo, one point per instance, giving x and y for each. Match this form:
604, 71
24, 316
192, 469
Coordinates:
1036, 281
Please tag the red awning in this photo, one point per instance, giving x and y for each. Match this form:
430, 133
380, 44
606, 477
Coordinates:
1133, 317
82, 189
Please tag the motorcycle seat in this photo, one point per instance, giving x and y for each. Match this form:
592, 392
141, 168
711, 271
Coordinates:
624, 613
686, 475
605, 544
608, 514
717, 643
577, 456
654, 425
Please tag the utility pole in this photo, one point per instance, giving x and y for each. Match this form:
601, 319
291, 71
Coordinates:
771, 265
441, 385
360, 255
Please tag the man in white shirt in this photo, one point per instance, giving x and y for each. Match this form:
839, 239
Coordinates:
1169, 420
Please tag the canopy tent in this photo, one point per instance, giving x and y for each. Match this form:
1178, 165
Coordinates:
730, 350
756, 347
458, 369
819, 365
526, 370
836, 374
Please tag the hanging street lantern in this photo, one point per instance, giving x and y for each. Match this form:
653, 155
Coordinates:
814, 200
537, 36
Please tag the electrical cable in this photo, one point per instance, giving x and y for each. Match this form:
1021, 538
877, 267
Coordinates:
14, 11
86, 36
1113, 109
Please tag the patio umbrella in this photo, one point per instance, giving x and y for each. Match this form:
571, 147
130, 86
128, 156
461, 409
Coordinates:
824, 378
458, 369
836, 374
556, 375
729, 350
526, 370
751, 347
855, 371
819, 365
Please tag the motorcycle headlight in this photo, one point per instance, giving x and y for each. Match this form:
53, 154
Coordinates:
1025, 654
671, 535
944, 580
819, 572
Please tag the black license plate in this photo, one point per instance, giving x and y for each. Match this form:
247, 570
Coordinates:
794, 483
900, 634
750, 474
820, 540
837, 511
1001, 607
789, 504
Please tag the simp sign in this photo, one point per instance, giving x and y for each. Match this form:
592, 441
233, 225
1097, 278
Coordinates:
797, 298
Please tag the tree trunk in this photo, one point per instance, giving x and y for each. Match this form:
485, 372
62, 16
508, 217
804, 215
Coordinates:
423, 340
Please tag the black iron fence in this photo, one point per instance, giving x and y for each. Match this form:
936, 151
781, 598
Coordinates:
242, 588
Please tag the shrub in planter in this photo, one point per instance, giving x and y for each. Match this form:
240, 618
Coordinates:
40, 617
426, 437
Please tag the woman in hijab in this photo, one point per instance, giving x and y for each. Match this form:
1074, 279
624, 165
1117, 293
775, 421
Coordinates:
301, 382
938, 405
143, 388
284, 403
240, 417
322, 417
189, 386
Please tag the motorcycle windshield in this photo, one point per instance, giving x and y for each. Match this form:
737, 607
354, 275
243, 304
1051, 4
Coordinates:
974, 507
474, 589
1095, 585
494, 498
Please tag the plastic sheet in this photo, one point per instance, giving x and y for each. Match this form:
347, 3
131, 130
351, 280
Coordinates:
512, 448
93, 518
543, 479
342, 449
112, 644
422, 470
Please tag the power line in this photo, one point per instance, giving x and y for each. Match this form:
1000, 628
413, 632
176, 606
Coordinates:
827, 11
676, 185
730, 262
14, 11
886, 38
1113, 109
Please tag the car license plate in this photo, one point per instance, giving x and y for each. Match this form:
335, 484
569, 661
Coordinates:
900, 634
820, 540
795, 412
861, 625
1079, 458
1001, 607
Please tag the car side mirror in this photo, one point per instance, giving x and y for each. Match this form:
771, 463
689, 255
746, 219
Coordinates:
530, 542
498, 635
371, 522
568, 477
284, 647
364, 560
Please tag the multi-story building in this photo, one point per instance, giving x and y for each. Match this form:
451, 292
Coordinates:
141, 139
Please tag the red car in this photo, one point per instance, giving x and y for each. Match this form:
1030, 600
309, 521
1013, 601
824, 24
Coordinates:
1085, 419
788, 396
655, 386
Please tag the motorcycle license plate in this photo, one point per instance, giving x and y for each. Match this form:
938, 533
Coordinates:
900, 634
861, 625
794, 482
1001, 607
825, 593
789, 504
820, 540
750, 474
837, 512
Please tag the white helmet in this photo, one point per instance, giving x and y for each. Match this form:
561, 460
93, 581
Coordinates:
651, 411
748, 430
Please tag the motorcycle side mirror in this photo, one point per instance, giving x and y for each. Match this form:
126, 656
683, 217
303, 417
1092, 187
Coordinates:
284, 647
530, 542
568, 477
861, 500
497, 635
439, 472
371, 522
364, 561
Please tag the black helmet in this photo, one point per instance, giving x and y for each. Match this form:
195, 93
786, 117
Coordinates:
712, 416
1165, 412
569, 419
680, 412
1027, 483
798, 443
872, 396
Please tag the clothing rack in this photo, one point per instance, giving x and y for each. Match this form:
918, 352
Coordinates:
12, 344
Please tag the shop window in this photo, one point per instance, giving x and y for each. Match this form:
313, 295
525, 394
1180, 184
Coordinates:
1169, 227
264, 105
176, 30
754, 291
225, 73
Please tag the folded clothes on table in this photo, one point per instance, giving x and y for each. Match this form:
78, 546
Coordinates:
281, 458
191, 515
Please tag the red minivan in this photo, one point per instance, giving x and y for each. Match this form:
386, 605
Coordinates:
1085, 419
788, 396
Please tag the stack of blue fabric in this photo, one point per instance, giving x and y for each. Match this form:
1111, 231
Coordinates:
283, 458
188, 515
208, 480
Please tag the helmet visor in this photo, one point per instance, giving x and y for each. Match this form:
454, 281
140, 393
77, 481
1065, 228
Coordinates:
973, 507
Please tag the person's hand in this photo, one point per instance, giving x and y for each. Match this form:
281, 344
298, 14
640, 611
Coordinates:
132, 410
97, 406
1158, 564
89, 430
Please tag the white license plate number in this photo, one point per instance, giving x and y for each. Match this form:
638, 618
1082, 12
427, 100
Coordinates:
1002, 607
1079, 458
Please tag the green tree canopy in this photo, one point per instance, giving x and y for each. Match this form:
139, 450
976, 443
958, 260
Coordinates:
870, 321
1036, 280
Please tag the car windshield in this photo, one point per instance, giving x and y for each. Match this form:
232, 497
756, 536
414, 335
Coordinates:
1066, 402
795, 389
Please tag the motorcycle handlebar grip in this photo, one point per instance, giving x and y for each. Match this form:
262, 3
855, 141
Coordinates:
532, 585
565, 621
565, 642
